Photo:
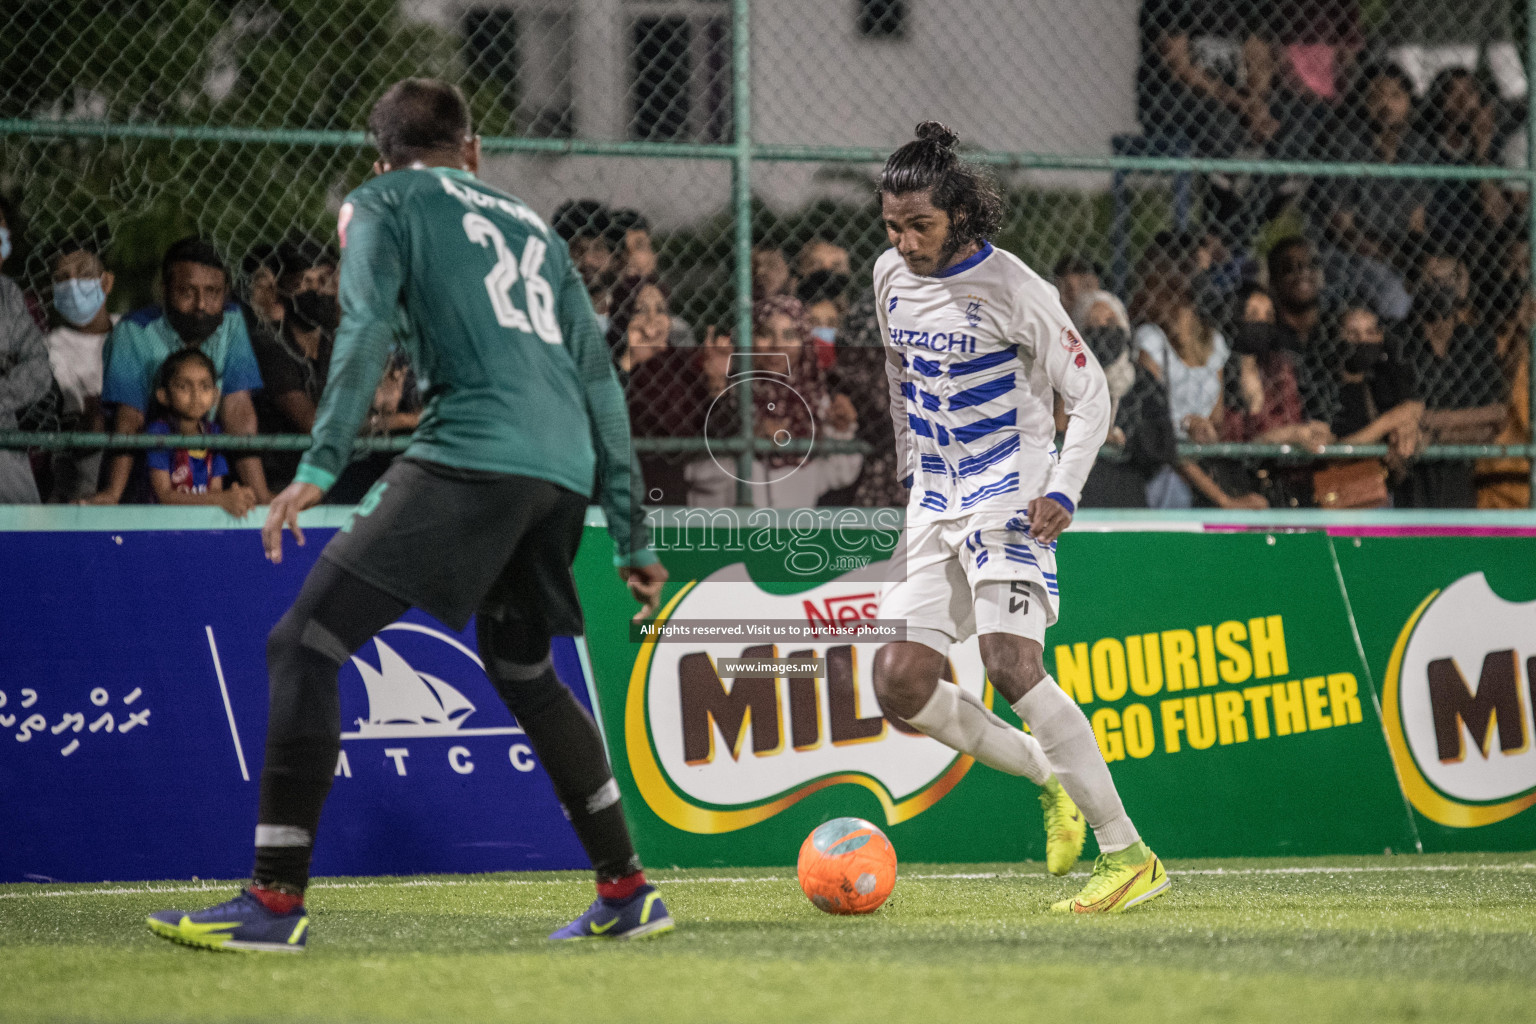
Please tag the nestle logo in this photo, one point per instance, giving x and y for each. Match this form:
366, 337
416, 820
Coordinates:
834, 610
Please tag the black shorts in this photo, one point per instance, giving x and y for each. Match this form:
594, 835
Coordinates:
454, 542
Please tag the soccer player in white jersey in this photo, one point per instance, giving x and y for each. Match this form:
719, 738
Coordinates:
978, 348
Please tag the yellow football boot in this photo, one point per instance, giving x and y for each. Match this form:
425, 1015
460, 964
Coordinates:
1065, 828
1120, 881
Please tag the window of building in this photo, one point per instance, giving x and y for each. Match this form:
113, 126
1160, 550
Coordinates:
882, 19
525, 54
662, 70
680, 72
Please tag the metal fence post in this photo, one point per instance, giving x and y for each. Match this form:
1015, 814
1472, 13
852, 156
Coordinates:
741, 195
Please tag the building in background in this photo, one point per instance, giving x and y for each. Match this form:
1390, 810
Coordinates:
862, 73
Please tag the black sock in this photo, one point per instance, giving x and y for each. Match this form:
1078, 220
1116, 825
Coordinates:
334, 614
294, 783
567, 743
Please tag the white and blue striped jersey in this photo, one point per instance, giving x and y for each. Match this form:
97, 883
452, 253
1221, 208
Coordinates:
975, 357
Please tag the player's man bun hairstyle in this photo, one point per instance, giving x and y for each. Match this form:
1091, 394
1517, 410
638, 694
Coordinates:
967, 193
416, 118
939, 133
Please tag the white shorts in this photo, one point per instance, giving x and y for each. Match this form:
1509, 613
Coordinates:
971, 576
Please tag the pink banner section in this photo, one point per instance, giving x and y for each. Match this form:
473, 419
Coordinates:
1378, 529
1432, 531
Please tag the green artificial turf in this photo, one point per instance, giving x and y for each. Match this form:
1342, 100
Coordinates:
1341, 939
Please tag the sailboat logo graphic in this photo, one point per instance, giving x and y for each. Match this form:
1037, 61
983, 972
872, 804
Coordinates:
404, 702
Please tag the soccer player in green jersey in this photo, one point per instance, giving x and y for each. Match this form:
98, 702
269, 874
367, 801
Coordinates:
480, 516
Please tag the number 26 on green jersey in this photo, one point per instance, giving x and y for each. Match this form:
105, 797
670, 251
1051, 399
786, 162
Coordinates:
540, 318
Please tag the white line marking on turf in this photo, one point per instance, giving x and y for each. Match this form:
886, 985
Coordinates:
441, 883
1318, 870
217, 667
416, 883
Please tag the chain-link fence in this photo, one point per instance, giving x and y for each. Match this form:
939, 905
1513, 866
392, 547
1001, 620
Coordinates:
1287, 229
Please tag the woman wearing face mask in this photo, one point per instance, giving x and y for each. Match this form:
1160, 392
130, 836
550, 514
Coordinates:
1106, 327
823, 296
1268, 409
1141, 426
1376, 390
295, 356
81, 285
1265, 405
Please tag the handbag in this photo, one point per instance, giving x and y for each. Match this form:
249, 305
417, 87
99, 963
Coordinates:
1355, 484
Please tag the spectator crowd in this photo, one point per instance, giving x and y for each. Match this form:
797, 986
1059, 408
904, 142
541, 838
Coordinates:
202, 362
1303, 312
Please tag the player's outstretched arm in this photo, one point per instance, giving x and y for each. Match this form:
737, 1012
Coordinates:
645, 583
284, 512
1077, 377
372, 275
898, 406
619, 483
1048, 519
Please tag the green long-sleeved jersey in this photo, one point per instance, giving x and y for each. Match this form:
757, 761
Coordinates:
514, 371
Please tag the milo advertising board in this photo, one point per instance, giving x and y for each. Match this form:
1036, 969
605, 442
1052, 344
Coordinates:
1228, 693
713, 755
726, 761
1297, 685
1451, 628
1231, 689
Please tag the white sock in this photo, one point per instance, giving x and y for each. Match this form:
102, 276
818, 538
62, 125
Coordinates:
960, 720
1067, 739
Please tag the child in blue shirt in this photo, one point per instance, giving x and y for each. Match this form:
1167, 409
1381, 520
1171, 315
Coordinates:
186, 393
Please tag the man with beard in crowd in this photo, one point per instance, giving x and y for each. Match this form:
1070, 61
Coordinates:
587, 226
1296, 282
198, 313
